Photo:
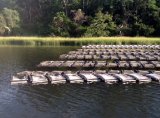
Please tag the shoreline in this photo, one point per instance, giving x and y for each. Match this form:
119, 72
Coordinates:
61, 41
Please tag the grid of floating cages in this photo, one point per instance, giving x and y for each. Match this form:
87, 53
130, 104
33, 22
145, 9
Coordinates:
112, 64
102, 64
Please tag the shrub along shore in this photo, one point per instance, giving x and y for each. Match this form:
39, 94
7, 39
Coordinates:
61, 41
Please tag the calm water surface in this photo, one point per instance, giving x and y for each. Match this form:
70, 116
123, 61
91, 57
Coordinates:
69, 100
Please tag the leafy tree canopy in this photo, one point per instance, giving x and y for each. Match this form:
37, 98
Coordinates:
75, 18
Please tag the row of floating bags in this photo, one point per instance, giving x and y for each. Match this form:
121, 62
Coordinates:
113, 54
123, 46
58, 77
102, 64
123, 57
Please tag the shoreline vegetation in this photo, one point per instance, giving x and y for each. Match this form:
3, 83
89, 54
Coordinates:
61, 41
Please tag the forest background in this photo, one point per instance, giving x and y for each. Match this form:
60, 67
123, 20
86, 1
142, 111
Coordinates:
80, 18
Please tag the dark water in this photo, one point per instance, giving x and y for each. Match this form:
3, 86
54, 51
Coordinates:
69, 100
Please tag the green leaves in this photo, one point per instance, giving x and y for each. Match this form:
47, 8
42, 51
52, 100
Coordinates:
102, 25
9, 21
75, 18
60, 24
141, 29
11, 17
2, 24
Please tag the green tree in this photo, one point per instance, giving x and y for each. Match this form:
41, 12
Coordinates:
64, 26
37, 17
60, 25
9, 21
12, 20
141, 29
102, 25
2, 24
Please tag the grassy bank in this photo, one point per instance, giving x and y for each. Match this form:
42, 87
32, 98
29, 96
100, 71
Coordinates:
57, 41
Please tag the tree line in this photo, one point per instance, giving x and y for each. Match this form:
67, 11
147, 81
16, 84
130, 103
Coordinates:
77, 18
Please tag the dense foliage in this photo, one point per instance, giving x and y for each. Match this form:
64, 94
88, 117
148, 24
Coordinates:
76, 18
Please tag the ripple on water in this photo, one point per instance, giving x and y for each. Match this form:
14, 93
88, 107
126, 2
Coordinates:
69, 100
85, 100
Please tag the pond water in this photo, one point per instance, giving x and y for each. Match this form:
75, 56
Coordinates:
68, 100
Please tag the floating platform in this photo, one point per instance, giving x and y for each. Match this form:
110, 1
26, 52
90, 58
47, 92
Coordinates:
121, 47
115, 52
122, 57
59, 77
102, 64
73, 78
117, 64
109, 79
